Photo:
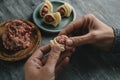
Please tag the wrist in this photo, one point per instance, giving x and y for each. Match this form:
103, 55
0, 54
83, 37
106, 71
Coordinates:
116, 43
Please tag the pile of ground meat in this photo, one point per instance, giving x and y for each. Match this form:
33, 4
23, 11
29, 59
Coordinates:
17, 35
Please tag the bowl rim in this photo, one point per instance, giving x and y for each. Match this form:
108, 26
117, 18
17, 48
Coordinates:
46, 30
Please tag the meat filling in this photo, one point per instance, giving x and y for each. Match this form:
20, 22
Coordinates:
16, 35
49, 19
44, 10
62, 11
61, 39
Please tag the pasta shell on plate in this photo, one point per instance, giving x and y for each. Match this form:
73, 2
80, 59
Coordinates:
46, 8
52, 18
65, 10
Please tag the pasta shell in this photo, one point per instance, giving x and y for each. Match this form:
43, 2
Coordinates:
56, 17
46, 8
67, 9
54, 42
50, 5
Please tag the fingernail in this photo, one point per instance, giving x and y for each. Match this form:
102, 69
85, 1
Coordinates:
69, 42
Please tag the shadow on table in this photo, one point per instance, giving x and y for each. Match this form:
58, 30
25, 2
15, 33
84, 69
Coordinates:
88, 63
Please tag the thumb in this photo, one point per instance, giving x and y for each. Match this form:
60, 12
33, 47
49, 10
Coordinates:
53, 56
80, 40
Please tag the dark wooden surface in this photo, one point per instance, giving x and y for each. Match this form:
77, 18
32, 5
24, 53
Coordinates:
87, 63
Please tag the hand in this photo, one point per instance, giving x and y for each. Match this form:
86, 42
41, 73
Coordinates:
89, 30
36, 69
68, 49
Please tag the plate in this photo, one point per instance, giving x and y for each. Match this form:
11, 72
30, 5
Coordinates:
24, 53
49, 28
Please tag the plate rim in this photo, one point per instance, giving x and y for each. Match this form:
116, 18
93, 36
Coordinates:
46, 30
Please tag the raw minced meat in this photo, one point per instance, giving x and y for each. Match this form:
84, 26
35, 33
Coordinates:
17, 35
60, 41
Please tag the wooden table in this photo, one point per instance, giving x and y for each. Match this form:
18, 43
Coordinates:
87, 63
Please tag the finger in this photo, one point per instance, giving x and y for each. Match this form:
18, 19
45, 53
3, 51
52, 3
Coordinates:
34, 60
61, 65
45, 49
37, 62
37, 54
70, 49
53, 56
67, 53
40, 51
72, 27
44, 59
80, 40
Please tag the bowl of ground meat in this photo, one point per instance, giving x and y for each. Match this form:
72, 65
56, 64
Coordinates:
18, 39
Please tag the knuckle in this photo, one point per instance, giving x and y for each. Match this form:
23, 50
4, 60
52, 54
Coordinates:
89, 17
93, 35
54, 55
48, 69
78, 40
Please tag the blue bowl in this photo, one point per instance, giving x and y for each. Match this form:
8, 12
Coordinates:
49, 28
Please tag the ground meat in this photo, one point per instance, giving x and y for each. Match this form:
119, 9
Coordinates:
16, 35
49, 19
44, 10
62, 11
61, 39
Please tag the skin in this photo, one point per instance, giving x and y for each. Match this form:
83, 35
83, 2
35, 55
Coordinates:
85, 30
40, 67
89, 30
36, 69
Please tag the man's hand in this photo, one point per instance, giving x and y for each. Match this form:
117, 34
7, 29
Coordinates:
37, 69
89, 30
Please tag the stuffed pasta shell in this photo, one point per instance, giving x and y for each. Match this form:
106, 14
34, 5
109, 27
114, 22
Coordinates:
52, 18
46, 8
65, 10
60, 41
